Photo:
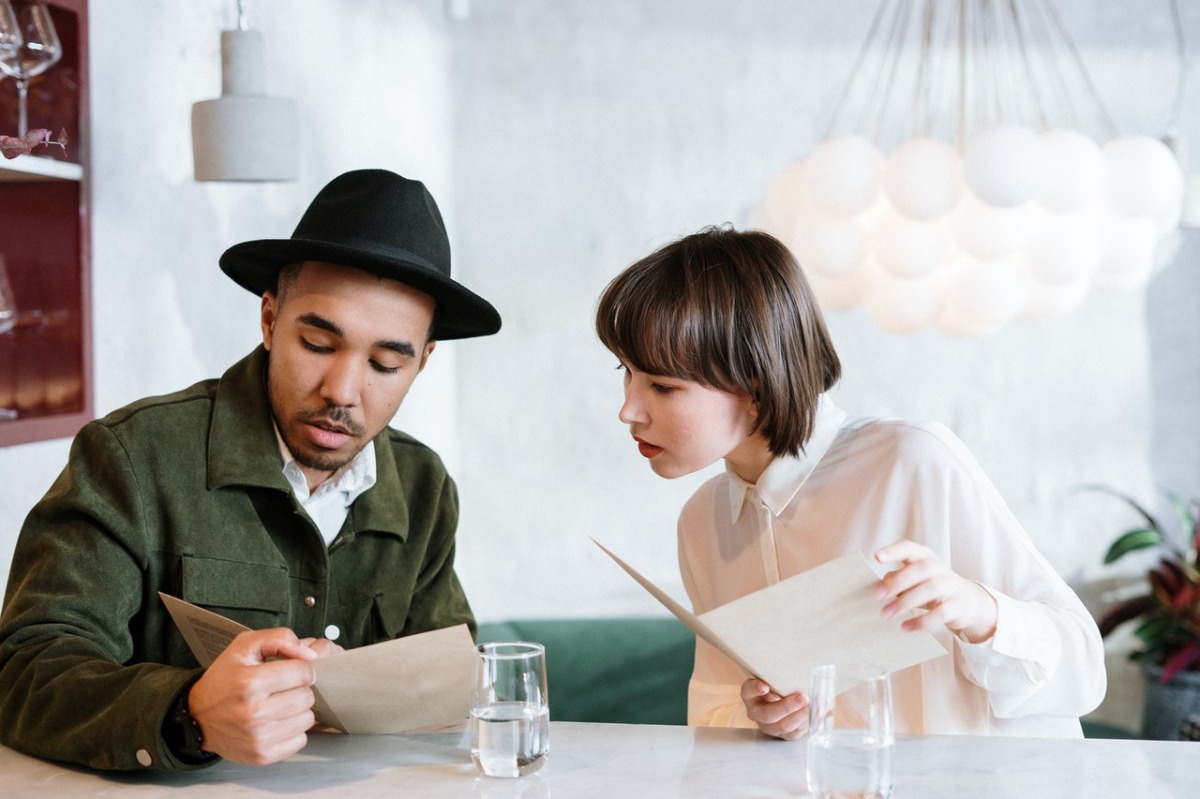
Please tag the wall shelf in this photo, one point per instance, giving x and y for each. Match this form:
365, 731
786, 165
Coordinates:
45, 241
26, 168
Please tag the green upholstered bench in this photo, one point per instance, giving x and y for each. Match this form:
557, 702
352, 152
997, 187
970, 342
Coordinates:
619, 670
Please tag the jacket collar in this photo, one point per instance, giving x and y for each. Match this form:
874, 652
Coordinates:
243, 450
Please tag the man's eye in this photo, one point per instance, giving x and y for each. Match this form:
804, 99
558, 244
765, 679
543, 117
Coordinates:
661, 389
382, 369
310, 346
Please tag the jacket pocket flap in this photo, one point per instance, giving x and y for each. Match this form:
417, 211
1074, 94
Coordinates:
215, 582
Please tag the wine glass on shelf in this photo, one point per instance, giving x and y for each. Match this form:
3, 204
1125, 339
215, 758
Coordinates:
37, 49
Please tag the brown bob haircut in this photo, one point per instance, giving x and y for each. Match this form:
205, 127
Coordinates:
730, 310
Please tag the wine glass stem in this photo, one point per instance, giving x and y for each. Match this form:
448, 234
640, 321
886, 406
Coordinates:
22, 116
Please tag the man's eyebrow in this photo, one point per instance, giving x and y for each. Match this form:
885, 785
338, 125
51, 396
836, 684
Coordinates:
404, 348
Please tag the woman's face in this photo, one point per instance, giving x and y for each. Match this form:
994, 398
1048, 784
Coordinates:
681, 426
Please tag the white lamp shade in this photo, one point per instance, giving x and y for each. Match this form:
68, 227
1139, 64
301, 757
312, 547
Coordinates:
785, 201
1063, 247
923, 178
245, 138
1143, 177
982, 296
907, 248
988, 232
1074, 171
1127, 250
833, 246
244, 135
844, 174
838, 293
904, 306
1054, 299
1005, 166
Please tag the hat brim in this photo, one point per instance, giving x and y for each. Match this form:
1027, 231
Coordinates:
255, 265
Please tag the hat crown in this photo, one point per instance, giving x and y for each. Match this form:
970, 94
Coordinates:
381, 212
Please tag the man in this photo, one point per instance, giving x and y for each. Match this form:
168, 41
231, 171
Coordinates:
276, 496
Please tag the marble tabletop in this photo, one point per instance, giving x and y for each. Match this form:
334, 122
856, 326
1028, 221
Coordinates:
645, 762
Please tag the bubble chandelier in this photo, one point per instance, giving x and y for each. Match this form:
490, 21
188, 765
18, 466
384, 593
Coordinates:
991, 203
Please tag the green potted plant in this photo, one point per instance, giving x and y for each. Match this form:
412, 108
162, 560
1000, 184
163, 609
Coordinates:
1166, 614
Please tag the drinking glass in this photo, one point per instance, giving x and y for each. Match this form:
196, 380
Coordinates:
37, 49
510, 710
851, 737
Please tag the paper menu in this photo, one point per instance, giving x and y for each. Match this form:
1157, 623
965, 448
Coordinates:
417, 681
824, 615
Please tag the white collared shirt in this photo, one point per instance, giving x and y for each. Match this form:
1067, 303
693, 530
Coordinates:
330, 503
863, 483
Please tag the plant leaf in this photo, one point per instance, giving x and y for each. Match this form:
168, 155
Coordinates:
1183, 659
12, 146
1151, 631
1125, 611
1137, 538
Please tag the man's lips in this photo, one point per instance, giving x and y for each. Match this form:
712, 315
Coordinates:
647, 449
328, 435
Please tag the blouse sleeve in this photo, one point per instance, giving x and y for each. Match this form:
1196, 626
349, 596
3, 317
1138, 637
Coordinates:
1046, 656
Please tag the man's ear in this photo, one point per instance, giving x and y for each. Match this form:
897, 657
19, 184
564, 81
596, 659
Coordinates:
270, 312
429, 345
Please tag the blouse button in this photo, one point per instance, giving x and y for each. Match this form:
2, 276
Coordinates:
144, 758
309, 601
332, 632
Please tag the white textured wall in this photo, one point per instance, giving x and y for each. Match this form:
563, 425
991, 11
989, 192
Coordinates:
564, 139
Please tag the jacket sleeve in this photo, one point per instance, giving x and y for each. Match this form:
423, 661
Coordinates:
69, 687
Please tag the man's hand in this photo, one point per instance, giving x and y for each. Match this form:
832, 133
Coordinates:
322, 646
783, 717
923, 581
254, 703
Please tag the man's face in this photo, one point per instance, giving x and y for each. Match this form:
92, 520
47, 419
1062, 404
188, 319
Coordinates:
345, 348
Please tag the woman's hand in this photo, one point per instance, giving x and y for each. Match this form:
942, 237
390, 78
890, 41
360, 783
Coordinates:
923, 581
783, 717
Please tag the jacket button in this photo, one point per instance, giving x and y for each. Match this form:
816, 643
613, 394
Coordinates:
144, 758
332, 632
309, 601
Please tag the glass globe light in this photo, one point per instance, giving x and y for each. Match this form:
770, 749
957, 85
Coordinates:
903, 306
988, 232
1074, 171
985, 295
838, 293
1127, 251
831, 245
843, 174
1005, 166
1063, 248
1054, 299
785, 200
1143, 177
907, 247
923, 178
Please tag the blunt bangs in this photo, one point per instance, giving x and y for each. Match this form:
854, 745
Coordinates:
730, 310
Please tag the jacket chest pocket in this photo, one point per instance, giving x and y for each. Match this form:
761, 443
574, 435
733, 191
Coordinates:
252, 594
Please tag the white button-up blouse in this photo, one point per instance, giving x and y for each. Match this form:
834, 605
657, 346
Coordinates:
863, 483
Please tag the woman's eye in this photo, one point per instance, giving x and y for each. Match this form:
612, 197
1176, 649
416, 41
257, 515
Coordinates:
659, 388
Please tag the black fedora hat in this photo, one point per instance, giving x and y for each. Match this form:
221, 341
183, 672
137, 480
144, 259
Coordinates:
379, 222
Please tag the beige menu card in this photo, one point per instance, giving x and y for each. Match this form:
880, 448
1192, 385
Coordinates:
418, 681
824, 615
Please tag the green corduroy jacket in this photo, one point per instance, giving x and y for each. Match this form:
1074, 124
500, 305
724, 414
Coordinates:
185, 494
